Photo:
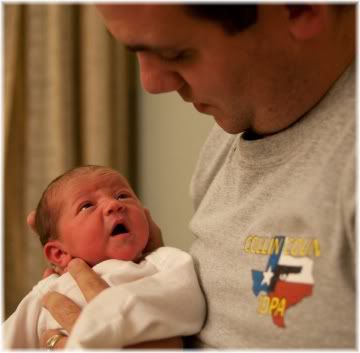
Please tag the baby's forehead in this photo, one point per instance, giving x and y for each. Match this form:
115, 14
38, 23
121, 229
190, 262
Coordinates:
96, 178
86, 181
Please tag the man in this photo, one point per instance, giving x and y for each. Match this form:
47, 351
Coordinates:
274, 187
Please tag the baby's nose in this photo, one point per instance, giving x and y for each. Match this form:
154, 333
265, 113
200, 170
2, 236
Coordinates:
113, 206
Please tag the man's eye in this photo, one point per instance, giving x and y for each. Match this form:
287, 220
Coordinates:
86, 205
174, 55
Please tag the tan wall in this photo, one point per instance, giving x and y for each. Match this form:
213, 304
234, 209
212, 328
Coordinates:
171, 134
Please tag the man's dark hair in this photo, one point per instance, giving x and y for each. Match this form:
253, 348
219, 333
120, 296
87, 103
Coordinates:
232, 18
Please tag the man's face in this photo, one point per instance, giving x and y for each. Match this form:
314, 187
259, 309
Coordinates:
100, 217
234, 78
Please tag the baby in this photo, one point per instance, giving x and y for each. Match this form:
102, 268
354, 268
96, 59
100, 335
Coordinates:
92, 213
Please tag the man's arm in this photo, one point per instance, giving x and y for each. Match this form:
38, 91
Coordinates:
167, 343
167, 303
66, 312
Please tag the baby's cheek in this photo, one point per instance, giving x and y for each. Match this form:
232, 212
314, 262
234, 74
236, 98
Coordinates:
90, 249
146, 229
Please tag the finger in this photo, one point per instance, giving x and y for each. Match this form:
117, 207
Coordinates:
155, 237
57, 269
48, 334
30, 220
53, 270
89, 282
48, 272
63, 309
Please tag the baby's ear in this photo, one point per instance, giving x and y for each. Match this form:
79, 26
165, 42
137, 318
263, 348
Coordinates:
56, 254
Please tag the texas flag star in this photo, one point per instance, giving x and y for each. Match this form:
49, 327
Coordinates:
267, 276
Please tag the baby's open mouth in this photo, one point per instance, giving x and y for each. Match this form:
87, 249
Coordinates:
119, 229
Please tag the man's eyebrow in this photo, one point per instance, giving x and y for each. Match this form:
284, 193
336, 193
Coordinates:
139, 48
136, 48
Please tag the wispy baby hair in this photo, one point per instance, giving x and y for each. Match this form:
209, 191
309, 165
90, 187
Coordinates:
47, 215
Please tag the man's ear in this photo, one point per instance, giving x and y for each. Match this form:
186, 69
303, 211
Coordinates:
55, 252
307, 21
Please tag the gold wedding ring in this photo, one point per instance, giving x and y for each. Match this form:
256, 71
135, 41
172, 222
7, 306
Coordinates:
51, 342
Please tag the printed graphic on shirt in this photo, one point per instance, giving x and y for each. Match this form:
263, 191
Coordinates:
287, 279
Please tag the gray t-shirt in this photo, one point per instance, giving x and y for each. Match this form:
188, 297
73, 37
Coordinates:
275, 231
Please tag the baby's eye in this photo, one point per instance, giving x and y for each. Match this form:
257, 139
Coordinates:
86, 205
122, 195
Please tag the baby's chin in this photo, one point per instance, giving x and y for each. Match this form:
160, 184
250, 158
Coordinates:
127, 255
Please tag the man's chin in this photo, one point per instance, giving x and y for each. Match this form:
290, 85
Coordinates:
202, 108
228, 124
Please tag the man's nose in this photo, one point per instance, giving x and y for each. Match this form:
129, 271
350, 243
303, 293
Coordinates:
156, 77
113, 206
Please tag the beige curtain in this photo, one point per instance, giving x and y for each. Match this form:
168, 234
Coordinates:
68, 101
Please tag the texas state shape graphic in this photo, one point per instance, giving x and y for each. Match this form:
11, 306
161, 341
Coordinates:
286, 282
293, 294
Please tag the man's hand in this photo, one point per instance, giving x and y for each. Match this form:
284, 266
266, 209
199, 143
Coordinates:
63, 309
48, 272
66, 312
155, 237
89, 282
60, 343
30, 220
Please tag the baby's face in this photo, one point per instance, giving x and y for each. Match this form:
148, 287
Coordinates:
101, 218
